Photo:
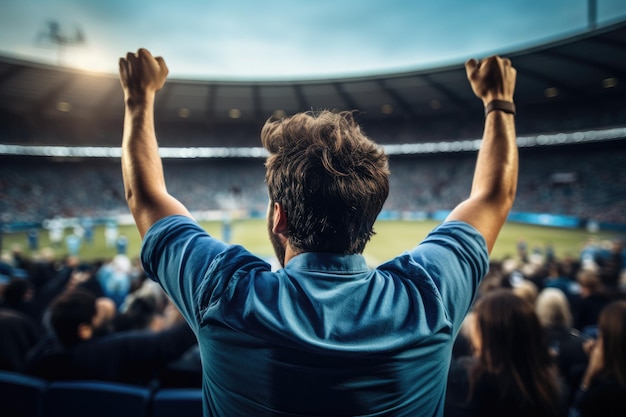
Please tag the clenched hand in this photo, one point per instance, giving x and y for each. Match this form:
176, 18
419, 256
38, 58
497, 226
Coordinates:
492, 78
141, 75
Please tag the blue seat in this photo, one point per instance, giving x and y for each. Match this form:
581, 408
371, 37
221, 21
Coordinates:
20, 395
95, 399
168, 402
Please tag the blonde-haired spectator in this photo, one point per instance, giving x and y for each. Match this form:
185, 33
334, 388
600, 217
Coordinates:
553, 308
566, 343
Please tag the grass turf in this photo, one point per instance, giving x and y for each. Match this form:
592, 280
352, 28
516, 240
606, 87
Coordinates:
392, 237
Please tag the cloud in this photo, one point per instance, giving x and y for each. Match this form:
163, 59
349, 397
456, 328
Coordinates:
286, 38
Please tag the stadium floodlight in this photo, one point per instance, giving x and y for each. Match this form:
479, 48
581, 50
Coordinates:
54, 36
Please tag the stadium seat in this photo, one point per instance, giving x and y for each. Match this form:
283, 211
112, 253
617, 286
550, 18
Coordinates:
95, 399
168, 402
20, 395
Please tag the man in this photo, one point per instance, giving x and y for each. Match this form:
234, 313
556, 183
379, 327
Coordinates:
325, 335
84, 346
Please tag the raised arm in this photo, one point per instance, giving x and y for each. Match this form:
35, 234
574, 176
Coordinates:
142, 76
495, 176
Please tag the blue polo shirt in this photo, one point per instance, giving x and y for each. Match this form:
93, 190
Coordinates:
326, 335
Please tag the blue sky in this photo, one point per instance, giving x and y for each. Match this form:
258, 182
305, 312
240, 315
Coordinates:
291, 39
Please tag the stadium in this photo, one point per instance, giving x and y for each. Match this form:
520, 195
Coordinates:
60, 135
61, 121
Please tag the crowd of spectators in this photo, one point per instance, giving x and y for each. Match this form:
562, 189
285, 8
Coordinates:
525, 348
576, 180
70, 319
66, 319
568, 308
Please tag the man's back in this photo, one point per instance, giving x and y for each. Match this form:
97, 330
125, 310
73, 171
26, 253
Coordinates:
327, 184
326, 335
247, 377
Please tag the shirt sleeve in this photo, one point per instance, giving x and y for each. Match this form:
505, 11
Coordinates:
176, 252
456, 259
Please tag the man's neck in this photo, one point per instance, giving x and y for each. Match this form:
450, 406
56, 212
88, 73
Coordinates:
290, 253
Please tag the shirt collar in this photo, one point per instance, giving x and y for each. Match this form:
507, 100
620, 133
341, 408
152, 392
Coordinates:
328, 262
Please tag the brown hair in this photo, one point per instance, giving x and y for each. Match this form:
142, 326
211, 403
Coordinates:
612, 327
330, 179
589, 279
513, 346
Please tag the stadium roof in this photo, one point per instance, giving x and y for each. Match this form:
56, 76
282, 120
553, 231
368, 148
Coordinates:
586, 68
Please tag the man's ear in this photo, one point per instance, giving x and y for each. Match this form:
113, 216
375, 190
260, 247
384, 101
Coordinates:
85, 331
279, 221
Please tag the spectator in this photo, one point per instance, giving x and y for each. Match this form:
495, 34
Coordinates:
511, 372
325, 334
611, 265
566, 342
139, 313
603, 388
20, 297
42, 268
593, 298
84, 277
18, 334
527, 290
115, 278
83, 345
48, 291
556, 278
17, 296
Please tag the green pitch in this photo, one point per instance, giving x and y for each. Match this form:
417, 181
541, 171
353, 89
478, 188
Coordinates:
392, 237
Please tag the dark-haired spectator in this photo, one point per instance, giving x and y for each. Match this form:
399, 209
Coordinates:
84, 346
603, 388
141, 313
557, 278
512, 372
611, 265
83, 277
18, 334
32, 300
593, 298
18, 296
42, 268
